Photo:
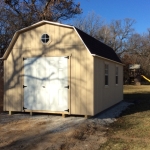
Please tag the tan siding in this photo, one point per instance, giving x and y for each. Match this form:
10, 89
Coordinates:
65, 36
73, 84
12, 82
77, 82
90, 84
27, 39
7, 84
18, 42
56, 37
83, 82
98, 84
64, 42
106, 96
5, 87
34, 39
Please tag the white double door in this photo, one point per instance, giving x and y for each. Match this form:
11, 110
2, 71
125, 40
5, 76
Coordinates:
46, 83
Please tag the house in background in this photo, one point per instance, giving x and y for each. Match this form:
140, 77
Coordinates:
56, 68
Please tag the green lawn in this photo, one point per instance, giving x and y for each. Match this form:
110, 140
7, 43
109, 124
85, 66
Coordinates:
132, 130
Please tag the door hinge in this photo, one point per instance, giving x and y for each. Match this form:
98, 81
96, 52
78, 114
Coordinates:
67, 57
24, 58
24, 86
67, 87
67, 110
24, 108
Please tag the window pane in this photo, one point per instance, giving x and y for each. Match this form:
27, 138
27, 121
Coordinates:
116, 79
106, 74
45, 38
106, 80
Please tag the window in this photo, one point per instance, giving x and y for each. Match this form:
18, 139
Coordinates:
45, 38
116, 75
106, 74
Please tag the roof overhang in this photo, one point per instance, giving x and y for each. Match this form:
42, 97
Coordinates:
107, 59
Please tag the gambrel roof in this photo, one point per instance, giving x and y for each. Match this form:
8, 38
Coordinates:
98, 48
95, 47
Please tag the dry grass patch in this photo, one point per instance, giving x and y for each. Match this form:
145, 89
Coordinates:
132, 130
132, 89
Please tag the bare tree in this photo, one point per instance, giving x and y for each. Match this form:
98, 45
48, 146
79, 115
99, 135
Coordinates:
120, 31
139, 47
130, 46
114, 34
90, 24
17, 14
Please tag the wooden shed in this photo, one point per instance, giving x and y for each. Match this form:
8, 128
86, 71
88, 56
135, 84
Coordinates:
56, 68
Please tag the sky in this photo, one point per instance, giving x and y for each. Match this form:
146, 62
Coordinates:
109, 10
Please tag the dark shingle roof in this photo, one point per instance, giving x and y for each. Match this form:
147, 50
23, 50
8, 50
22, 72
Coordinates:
97, 47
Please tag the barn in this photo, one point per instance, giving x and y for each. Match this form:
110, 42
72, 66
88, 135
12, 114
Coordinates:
55, 68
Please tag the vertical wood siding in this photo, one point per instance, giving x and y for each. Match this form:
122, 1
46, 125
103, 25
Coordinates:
64, 41
12, 70
106, 96
1, 86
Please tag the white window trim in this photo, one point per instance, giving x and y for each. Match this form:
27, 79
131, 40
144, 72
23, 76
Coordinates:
50, 39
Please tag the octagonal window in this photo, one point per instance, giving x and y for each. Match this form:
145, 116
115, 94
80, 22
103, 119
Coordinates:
45, 38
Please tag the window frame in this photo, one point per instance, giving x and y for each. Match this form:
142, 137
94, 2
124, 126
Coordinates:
116, 75
106, 72
44, 38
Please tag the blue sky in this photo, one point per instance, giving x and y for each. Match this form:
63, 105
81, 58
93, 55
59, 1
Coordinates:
119, 9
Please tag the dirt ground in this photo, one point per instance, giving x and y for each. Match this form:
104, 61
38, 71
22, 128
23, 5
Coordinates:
50, 132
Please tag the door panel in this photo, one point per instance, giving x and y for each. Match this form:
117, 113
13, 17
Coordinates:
42, 97
30, 82
46, 79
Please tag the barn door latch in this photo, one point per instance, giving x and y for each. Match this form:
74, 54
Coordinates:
24, 86
67, 87
67, 110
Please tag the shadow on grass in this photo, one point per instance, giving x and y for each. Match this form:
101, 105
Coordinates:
141, 103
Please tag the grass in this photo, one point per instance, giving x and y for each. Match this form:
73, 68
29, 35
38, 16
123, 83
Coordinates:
132, 129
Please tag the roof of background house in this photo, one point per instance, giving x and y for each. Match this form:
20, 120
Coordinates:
97, 47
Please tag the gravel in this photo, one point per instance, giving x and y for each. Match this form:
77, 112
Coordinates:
104, 118
110, 115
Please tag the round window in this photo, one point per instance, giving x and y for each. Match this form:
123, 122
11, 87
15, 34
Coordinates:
45, 38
